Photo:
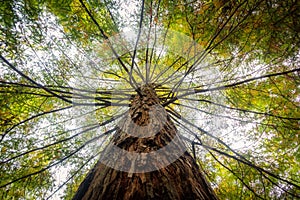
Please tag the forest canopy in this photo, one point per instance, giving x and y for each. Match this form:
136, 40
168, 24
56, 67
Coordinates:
227, 72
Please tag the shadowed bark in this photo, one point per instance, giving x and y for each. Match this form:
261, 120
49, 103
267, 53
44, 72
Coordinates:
145, 130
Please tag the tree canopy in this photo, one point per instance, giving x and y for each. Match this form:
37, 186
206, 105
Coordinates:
226, 71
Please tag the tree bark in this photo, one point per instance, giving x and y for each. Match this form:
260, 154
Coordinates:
145, 130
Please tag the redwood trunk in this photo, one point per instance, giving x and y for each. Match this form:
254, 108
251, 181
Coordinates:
144, 130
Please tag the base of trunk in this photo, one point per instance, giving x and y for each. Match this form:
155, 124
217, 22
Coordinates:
180, 180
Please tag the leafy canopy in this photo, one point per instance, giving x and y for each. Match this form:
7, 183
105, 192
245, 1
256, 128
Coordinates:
226, 71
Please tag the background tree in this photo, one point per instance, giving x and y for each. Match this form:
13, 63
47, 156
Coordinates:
67, 76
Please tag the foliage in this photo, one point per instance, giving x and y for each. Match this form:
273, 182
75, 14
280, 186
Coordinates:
226, 71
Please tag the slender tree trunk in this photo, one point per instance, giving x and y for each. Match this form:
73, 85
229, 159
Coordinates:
145, 130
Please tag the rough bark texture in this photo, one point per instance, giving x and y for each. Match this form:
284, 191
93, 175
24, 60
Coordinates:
181, 179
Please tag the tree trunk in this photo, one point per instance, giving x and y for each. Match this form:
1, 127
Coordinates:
154, 165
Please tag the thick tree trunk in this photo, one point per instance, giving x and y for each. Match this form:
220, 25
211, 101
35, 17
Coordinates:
169, 174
